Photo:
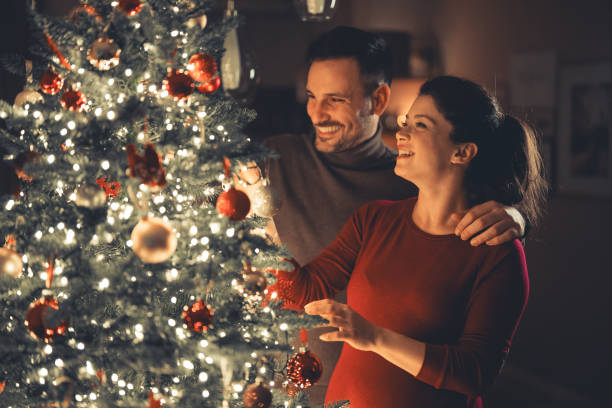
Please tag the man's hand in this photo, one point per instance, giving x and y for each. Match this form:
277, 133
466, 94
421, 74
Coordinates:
352, 327
494, 224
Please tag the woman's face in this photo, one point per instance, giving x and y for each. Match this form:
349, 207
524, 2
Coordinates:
424, 144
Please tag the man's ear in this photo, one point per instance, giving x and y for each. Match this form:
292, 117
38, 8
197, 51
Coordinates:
380, 99
464, 153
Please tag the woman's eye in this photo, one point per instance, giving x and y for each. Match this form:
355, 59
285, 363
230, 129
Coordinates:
421, 125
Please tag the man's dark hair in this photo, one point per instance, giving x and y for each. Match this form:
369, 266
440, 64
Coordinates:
369, 50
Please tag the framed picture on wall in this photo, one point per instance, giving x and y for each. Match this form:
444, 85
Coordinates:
584, 162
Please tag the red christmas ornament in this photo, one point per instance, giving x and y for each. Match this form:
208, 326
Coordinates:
38, 319
148, 166
257, 396
234, 204
197, 317
130, 7
304, 369
178, 84
74, 100
154, 402
111, 189
202, 67
210, 86
51, 83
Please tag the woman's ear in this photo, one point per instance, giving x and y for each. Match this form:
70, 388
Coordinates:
380, 99
464, 153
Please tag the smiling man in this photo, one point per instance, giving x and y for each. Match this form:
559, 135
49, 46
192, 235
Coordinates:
322, 178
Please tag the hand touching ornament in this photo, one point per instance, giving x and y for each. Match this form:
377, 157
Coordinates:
352, 327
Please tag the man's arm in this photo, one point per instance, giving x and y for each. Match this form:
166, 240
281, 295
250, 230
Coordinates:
492, 223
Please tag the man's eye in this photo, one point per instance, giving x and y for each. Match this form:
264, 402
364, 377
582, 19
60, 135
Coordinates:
309, 96
421, 125
337, 100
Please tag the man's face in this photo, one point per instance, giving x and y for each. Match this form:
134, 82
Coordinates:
338, 108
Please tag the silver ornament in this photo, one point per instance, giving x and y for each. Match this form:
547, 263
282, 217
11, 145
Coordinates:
264, 200
90, 196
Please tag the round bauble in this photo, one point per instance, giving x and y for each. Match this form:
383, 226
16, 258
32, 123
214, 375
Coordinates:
210, 86
197, 317
254, 283
202, 67
257, 396
74, 100
104, 54
178, 84
233, 204
90, 196
200, 20
130, 7
27, 96
10, 263
304, 369
153, 240
43, 321
264, 200
50, 82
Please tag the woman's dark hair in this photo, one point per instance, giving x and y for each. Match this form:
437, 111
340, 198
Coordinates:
370, 51
508, 167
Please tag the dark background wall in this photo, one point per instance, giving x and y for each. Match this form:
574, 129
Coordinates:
561, 353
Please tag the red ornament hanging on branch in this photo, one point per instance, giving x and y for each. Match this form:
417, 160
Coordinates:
42, 320
147, 166
303, 369
74, 100
202, 67
233, 203
210, 86
257, 396
178, 84
197, 317
51, 83
130, 7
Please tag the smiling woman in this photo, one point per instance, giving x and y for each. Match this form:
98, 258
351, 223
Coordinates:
429, 317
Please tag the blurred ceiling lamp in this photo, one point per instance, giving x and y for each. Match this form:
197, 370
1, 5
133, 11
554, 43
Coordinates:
238, 69
316, 10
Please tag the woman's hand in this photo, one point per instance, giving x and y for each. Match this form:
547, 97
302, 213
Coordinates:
352, 327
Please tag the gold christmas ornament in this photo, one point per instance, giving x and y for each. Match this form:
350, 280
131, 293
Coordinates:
153, 240
27, 96
10, 263
104, 54
90, 196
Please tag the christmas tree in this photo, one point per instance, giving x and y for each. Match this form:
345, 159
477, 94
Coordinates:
129, 274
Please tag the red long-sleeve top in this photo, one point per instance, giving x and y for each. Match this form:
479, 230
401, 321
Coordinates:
463, 302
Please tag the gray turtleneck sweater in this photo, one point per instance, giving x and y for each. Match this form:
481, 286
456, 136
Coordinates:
320, 191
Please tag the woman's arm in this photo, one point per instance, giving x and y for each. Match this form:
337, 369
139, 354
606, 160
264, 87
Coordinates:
328, 273
468, 366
